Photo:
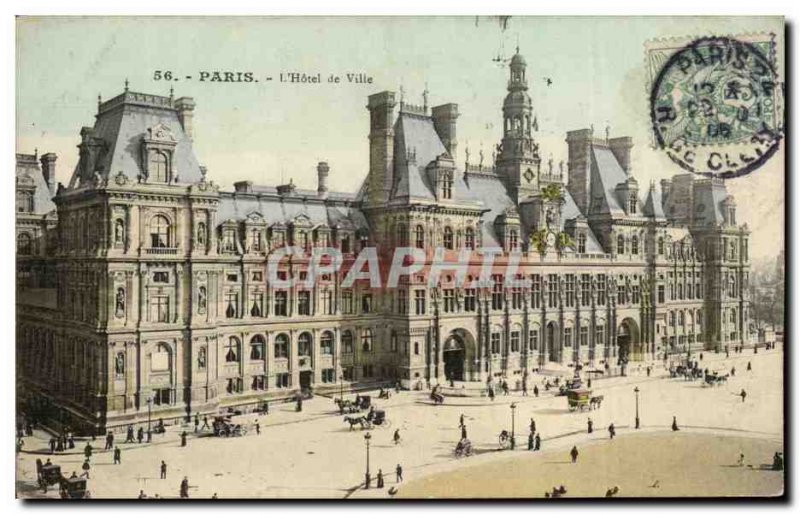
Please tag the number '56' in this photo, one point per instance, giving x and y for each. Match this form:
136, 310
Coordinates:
162, 75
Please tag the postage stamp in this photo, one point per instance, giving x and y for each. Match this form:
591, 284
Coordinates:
716, 103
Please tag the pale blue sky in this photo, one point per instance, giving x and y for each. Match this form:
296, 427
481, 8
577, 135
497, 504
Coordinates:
265, 130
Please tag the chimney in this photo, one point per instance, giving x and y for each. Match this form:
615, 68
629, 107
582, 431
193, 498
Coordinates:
381, 146
621, 148
49, 170
185, 107
444, 122
322, 179
579, 164
243, 186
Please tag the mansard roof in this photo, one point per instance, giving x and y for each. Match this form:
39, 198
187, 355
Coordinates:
123, 122
607, 174
28, 173
653, 207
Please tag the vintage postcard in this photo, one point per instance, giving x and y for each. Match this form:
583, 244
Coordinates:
400, 258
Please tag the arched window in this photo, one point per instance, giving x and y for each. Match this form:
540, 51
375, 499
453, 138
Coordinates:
469, 238
232, 350
281, 346
257, 346
24, 244
448, 238
326, 343
157, 167
159, 232
304, 345
366, 340
620, 244
419, 236
635, 245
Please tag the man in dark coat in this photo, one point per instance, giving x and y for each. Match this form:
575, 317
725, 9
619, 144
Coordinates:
537, 443
129, 438
140, 435
117, 455
611, 431
380, 479
399, 472
87, 451
52, 445
533, 426
675, 424
163, 469
589, 426
574, 454
536, 391
183, 438
530, 441
463, 431
196, 422
109, 440
185, 488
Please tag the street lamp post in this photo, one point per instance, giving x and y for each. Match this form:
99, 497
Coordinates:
513, 410
367, 437
341, 387
636, 390
149, 404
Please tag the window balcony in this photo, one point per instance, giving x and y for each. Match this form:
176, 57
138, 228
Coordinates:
162, 251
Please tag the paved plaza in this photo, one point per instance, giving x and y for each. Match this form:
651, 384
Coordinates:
315, 454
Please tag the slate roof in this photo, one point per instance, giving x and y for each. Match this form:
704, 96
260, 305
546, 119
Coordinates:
653, 206
235, 206
28, 166
708, 203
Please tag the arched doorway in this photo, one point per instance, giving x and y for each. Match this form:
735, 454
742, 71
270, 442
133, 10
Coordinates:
629, 344
454, 356
552, 343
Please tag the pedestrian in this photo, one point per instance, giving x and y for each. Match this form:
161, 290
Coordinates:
197, 422
163, 469
733, 371
396, 436
701, 357
533, 426
20, 444
185, 488
142, 496
109, 440
749, 366
505, 387
86, 467
397, 387
380, 479
536, 391
727, 352
258, 428
140, 435
530, 441
87, 451
117, 455
71, 442
574, 454
648, 370
59, 445
214, 496
740, 462
183, 438
589, 426
205, 419
743, 394
589, 382
129, 438
675, 424
537, 442
491, 393
611, 431
399, 472
463, 432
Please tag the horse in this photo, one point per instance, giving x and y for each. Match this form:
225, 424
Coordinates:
595, 402
437, 398
358, 420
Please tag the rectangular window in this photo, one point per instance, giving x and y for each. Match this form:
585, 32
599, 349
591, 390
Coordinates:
601, 289
470, 303
568, 337
347, 302
256, 304
258, 276
419, 301
326, 302
536, 291
281, 303
515, 341
586, 290
636, 294
259, 383
161, 277
495, 340
449, 297
234, 386
304, 303
402, 301
533, 335
162, 396
552, 291
232, 277
569, 294
282, 380
621, 300
366, 303
516, 298
599, 335
497, 292
584, 336
660, 293
229, 240
231, 305
160, 309
328, 376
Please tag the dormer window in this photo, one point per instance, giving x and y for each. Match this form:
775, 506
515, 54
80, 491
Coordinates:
581, 243
158, 147
158, 167
513, 240
24, 201
255, 240
447, 186
732, 215
229, 240
635, 245
620, 244
632, 203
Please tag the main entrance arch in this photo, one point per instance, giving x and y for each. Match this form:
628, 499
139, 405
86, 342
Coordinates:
629, 343
458, 356
552, 344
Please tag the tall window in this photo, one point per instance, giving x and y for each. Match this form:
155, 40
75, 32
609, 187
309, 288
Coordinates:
366, 340
232, 350
160, 306
24, 201
552, 291
569, 293
326, 343
660, 246
157, 167
229, 240
470, 300
255, 240
581, 243
24, 244
231, 305
584, 336
586, 289
620, 244
326, 302
536, 291
419, 236
281, 303
449, 297
447, 186
347, 302
281, 346
533, 337
497, 292
632, 203
304, 345
469, 238
256, 304
402, 235
568, 337
419, 301
257, 347
448, 238
495, 341
513, 240
347, 342
601, 289
635, 245
159, 232
304, 303
515, 341
402, 301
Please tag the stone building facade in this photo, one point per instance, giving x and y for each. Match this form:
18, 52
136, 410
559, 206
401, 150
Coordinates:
143, 287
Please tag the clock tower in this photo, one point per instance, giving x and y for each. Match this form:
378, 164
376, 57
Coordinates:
518, 156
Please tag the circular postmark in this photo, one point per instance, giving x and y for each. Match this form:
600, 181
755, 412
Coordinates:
714, 107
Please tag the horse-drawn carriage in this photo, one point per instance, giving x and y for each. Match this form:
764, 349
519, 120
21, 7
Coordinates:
374, 417
225, 427
361, 403
712, 379
579, 399
73, 487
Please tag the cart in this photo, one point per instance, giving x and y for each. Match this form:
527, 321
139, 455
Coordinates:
51, 474
578, 399
73, 488
224, 427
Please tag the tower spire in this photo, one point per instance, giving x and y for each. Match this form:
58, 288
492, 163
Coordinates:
126, 85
